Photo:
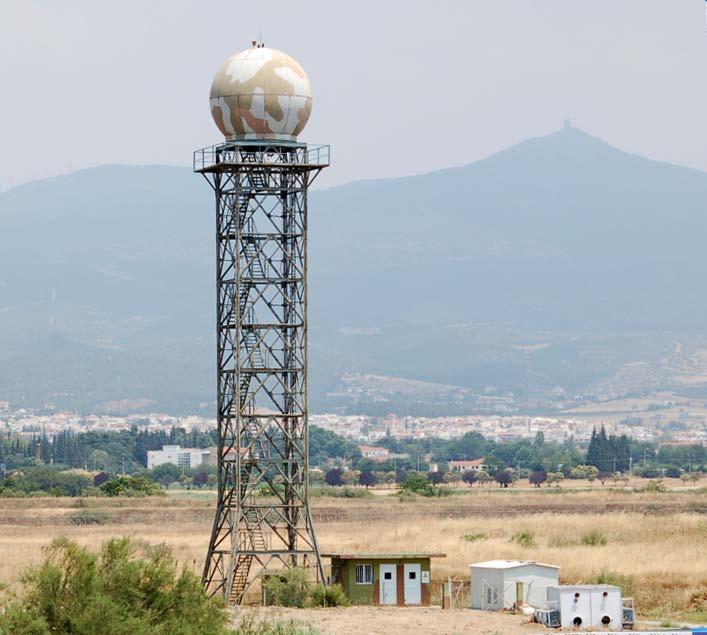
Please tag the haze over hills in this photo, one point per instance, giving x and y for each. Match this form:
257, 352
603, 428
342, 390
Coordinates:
560, 261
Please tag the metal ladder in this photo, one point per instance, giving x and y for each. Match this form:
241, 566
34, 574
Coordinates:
249, 539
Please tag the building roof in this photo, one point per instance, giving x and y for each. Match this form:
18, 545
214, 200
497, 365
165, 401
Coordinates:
510, 564
466, 462
382, 556
584, 587
373, 448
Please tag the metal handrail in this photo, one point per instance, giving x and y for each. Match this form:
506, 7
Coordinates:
261, 152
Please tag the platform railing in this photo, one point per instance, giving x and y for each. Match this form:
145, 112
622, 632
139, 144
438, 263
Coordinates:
264, 152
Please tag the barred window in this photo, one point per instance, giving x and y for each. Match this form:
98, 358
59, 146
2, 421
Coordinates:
364, 574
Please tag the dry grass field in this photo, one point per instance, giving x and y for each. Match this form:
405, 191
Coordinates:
654, 542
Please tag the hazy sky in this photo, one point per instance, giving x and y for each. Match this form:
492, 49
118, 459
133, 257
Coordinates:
399, 87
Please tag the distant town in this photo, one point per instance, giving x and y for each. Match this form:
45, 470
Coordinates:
658, 418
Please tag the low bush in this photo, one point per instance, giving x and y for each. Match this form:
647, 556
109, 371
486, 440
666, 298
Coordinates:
594, 538
48, 481
406, 496
289, 588
328, 596
626, 582
524, 538
474, 537
130, 486
292, 588
89, 517
654, 486
129, 587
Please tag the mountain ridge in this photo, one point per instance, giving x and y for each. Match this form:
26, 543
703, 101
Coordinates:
561, 234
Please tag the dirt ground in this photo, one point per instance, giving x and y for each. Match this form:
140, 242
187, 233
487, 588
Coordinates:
365, 620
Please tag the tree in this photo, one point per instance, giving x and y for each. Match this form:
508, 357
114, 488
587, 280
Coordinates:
387, 478
539, 439
537, 478
418, 484
603, 476
200, 479
469, 477
165, 474
504, 478
555, 478
334, 477
99, 459
436, 478
351, 477
100, 478
493, 464
483, 477
367, 479
672, 471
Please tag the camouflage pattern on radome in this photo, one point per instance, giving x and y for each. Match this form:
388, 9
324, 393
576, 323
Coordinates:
261, 93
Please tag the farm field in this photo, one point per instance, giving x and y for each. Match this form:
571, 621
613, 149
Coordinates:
654, 544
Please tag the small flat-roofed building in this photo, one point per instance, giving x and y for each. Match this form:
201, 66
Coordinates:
374, 452
177, 455
466, 466
397, 579
503, 584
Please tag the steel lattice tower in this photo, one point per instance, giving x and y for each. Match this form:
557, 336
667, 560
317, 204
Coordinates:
262, 518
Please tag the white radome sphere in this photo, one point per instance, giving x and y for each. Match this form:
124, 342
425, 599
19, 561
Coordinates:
261, 93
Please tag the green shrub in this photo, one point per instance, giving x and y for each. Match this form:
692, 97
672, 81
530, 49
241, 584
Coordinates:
47, 481
289, 588
130, 486
128, 588
91, 492
328, 596
418, 484
474, 537
626, 582
523, 538
293, 588
656, 487
594, 538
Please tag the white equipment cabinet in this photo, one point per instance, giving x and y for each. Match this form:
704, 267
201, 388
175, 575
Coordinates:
587, 606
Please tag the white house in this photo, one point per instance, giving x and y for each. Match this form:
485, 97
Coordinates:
374, 452
503, 584
177, 455
466, 466
587, 606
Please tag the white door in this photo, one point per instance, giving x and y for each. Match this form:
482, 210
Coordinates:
388, 584
413, 590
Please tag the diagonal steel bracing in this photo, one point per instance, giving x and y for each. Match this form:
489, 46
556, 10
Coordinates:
262, 516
